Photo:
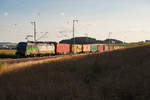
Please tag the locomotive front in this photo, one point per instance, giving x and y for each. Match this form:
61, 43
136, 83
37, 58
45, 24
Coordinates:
21, 49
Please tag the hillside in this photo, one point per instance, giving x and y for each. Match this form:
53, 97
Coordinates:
88, 40
7, 45
117, 75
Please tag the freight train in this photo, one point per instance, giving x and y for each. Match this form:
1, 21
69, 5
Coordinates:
26, 49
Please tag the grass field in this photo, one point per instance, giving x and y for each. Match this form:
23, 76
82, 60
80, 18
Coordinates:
1, 64
7, 54
117, 75
135, 44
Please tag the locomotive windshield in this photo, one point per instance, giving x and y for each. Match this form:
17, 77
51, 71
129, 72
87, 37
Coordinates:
21, 45
21, 48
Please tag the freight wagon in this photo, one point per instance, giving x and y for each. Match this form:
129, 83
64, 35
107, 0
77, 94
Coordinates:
63, 48
94, 48
116, 47
101, 48
86, 48
106, 48
111, 47
76, 48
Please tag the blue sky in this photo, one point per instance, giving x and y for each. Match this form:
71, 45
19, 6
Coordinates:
128, 20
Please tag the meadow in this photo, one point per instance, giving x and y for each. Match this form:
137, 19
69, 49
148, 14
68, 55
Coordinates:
8, 54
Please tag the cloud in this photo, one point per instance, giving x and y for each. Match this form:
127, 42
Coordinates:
5, 13
62, 14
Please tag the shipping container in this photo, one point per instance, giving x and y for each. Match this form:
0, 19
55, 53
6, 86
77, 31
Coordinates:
63, 48
106, 48
116, 47
86, 48
110, 48
94, 48
101, 48
76, 48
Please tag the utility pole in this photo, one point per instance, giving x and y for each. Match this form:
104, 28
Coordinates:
124, 40
109, 40
86, 35
34, 24
74, 30
109, 37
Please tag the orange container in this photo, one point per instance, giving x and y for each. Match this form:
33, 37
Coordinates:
63, 48
100, 48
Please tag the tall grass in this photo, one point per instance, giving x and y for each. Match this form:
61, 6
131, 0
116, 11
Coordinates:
1, 66
8, 55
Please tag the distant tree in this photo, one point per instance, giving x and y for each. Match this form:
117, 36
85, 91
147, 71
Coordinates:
112, 41
88, 40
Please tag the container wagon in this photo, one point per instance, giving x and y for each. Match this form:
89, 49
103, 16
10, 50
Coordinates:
86, 48
106, 48
94, 48
63, 48
101, 48
111, 48
116, 47
76, 48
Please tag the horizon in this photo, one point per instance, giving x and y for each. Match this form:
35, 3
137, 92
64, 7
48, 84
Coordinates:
76, 37
127, 20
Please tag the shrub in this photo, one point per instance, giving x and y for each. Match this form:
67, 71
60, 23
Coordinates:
8, 55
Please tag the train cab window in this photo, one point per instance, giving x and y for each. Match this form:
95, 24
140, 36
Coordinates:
21, 45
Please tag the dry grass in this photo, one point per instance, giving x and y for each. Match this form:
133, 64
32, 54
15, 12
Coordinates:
5, 68
117, 75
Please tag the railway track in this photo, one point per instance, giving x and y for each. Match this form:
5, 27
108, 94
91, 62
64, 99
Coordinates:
19, 60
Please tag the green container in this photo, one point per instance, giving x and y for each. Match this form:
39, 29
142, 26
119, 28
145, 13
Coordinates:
94, 48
